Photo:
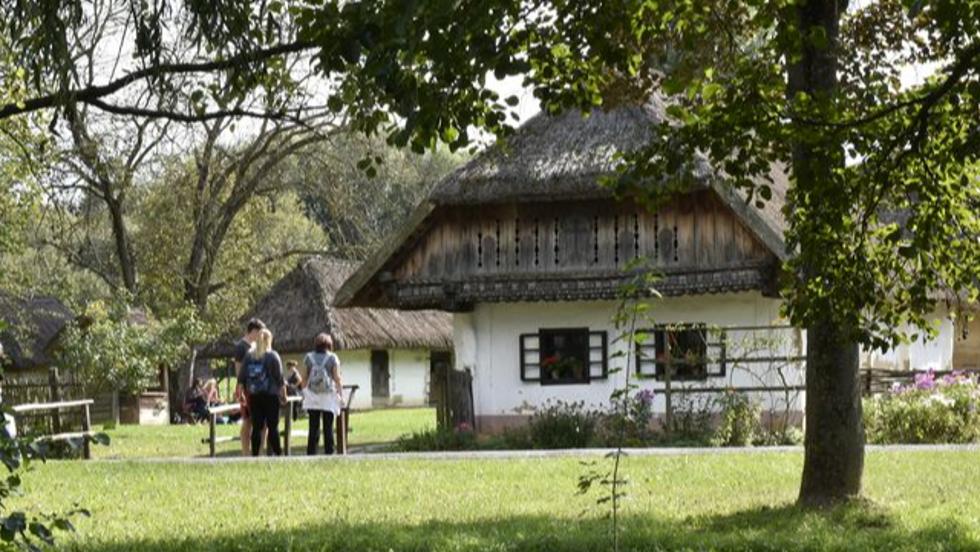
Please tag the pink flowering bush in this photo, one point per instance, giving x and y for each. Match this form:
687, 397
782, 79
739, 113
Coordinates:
928, 410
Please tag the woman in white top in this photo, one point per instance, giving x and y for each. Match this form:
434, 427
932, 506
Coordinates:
322, 392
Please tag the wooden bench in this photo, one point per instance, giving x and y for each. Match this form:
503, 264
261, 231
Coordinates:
85, 434
343, 423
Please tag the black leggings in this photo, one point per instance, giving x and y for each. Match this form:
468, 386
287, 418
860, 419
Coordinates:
314, 437
264, 410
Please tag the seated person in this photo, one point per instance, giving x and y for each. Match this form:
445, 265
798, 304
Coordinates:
195, 402
211, 393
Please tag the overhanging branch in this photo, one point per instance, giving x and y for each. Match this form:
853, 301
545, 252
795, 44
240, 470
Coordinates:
92, 93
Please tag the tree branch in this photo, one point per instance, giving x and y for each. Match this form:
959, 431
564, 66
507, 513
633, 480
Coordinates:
94, 92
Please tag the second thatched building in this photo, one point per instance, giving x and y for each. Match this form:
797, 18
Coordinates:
390, 354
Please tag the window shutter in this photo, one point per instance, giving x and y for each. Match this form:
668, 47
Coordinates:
530, 357
598, 355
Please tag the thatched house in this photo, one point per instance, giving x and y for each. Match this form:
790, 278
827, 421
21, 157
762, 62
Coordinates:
388, 353
528, 251
32, 327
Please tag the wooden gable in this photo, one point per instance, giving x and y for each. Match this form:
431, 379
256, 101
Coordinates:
574, 250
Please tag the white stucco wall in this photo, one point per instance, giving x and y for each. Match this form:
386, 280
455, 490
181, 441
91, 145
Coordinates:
409, 376
409, 369
487, 342
920, 354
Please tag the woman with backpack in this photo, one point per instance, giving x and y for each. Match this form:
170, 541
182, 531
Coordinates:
261, 376
322, 392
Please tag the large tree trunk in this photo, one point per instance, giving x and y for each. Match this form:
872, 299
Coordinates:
834, 441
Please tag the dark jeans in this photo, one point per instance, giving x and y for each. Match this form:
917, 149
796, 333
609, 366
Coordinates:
314, 438
264, 410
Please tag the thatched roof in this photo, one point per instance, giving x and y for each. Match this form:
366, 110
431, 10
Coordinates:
560, 158
33, 325
300, 306
551, 158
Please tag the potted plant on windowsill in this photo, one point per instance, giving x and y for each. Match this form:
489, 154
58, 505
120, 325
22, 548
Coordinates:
559, 368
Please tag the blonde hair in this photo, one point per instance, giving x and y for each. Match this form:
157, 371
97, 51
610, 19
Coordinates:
264, 343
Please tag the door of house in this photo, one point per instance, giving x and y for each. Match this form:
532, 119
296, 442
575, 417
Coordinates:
380, 377
440, 363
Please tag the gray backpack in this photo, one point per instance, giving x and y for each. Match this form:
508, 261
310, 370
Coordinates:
321, 380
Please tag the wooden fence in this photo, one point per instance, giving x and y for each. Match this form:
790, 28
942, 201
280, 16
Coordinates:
53, 387
876, 380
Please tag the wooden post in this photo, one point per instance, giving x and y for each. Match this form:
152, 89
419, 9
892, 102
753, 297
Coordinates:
86, 429
55, 383
289, 428
668, 412
342, 431
211, 433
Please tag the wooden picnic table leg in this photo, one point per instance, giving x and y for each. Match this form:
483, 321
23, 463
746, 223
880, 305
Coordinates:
289, 427
211, 433
86, 439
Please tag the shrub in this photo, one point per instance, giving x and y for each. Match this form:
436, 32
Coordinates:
690, 421
563, 425
437, 440
739, 420
926, 411
628, 420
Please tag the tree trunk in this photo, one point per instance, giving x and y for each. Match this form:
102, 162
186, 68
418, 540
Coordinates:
120, 234
834, 441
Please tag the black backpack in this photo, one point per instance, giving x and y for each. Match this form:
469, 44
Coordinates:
257, 379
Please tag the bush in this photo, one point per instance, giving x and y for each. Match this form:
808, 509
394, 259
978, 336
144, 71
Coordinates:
690, 422
628, 421
437, 440
739, 420
563, 425
926, 411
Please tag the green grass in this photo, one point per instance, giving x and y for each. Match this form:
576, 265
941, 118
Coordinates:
918, 501
184, 441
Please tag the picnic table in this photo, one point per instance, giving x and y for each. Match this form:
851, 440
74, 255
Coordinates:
343, 422
85, 434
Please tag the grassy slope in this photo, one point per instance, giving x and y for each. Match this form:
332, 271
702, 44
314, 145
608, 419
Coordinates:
922, 501
185, 440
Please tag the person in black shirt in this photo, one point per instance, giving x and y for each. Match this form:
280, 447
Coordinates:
242, 347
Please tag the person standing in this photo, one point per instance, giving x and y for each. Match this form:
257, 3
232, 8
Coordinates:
322, 392
242, 348
262, 378
294, 383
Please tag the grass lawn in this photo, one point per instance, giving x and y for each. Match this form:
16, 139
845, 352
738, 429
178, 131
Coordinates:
918, 501
184, 441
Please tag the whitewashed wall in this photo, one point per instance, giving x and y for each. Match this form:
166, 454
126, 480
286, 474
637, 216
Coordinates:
920, 354
409, 376
487, 342
409, 369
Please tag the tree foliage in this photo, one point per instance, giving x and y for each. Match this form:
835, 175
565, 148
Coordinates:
360, 190
112, 348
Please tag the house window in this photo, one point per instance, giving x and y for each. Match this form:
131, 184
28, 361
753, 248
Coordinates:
685, 346
563, 356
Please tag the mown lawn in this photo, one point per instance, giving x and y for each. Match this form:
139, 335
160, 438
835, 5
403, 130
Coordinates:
918, 501
184, 441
